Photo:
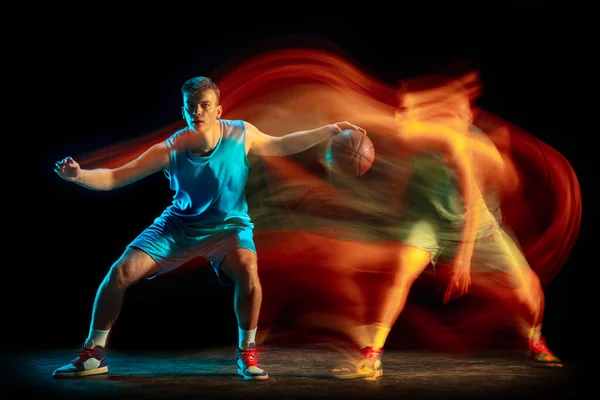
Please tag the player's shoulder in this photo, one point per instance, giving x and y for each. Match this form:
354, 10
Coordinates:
480, 135
241, 124
232, 121
174, 139
476, 130
177, 134
234, 124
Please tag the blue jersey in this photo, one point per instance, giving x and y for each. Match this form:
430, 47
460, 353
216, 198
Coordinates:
210, 190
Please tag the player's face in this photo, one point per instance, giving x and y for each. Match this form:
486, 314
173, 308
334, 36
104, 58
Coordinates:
201, 111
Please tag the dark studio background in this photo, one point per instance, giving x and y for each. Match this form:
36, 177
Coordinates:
109, 85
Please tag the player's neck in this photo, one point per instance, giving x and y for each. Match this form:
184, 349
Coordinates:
203, 143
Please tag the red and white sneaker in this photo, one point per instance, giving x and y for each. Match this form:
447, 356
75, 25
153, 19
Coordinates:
539, 352
367, 365
91, 360
248, 365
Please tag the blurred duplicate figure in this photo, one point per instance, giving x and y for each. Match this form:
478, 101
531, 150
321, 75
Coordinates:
207, 166
450, 211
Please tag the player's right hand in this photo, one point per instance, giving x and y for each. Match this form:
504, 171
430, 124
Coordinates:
459, 284
68, 169
460, 280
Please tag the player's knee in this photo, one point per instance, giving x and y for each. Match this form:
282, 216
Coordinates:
128, 270
121, 275
248, 269
411, 262
242, 266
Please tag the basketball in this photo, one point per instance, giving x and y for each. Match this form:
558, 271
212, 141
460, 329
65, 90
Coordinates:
350, 152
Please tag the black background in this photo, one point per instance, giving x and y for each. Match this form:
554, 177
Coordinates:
100, 79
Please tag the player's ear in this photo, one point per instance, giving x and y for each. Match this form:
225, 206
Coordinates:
219, 111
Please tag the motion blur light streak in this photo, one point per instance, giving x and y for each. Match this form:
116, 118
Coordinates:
315, 231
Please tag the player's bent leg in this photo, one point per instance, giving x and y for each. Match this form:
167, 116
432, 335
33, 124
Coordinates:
366, 364
130, 268
500, 271
410, 263
241, 266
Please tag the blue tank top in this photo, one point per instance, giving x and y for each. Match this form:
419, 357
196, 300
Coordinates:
210, 190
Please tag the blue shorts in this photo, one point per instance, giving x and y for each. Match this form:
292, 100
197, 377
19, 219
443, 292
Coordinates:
171, 244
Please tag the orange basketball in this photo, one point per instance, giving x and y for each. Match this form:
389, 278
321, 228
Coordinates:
350, 152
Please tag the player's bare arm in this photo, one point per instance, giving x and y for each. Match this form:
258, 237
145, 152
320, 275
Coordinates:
416, 137
103, 179
260, 143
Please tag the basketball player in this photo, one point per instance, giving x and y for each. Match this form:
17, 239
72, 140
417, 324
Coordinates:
207, 166
451, 212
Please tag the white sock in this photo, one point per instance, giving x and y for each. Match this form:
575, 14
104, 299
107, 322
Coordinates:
97, 337
246, 337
